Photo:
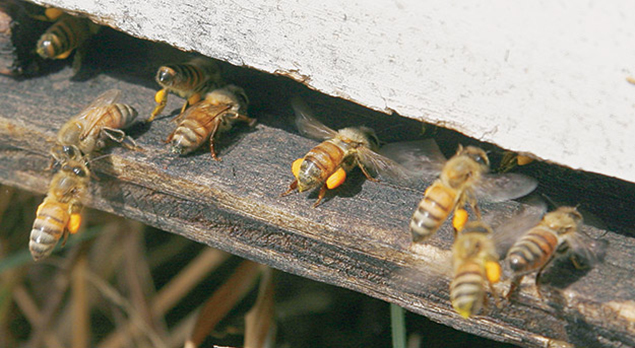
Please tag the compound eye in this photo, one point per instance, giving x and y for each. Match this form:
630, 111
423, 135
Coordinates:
479, 159
70, 151
79, 172
165, 75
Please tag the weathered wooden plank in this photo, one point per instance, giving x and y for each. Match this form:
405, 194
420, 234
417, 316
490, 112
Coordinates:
541, 77
356, 239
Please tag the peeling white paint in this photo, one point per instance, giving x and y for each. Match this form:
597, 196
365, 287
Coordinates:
543, 77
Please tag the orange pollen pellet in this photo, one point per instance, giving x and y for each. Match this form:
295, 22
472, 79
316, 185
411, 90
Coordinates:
74, 222
336, 179
295, 167
523, 160
459, 219
493, 271
53, 13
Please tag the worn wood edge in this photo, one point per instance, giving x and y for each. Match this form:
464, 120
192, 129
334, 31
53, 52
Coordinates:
33, 141
546, 146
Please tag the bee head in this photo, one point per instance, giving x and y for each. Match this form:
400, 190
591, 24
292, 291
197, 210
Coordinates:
364, 136
61, 153
564, 220
44, 46
166, 76
474, 153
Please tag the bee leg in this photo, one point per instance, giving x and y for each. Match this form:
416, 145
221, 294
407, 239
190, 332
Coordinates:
195, 98
576, 263
250, 121
515, 282
64, 237
161, 97
292, 187
497, 301
366, 174
211, 149
114, 134
119, 136
537, 281
211, 142
80, 53
473, 204
320, 196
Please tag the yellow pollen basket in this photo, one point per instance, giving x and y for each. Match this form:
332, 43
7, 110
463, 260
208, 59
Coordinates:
493, 271
336, 179
295, 167
459, 219
159, 97
74, 222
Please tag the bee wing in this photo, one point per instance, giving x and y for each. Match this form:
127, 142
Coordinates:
434, 271
383, 166
105, 99
422, 158
586, 250
503, 187
507, 231
307, 124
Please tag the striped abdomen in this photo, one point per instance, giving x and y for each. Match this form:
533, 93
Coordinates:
322, 161
467, 290
188, 78
50, 223
433, 210
62, 37
198, 125
116, 116
533, 250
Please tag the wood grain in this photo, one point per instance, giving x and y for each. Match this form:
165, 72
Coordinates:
356, 239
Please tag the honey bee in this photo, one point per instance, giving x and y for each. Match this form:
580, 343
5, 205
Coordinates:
476, 254
557, 233
462, 179
65, 35
103, 119
475, 263
216, 113
327, 164
189, 80
59, 213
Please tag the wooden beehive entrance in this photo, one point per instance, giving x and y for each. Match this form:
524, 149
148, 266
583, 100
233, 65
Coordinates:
357, 238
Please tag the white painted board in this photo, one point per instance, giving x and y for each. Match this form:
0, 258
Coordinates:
544, 77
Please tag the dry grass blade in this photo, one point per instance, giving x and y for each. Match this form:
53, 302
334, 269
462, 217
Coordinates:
191, 275
81, 308
28, 307
259, 321
134, 263
42, 323
223, 300
166, 251
171, 293
181, 331
5, 199
135, 318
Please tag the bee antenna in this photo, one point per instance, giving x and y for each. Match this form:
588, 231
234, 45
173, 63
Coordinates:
98, 158
550, 201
